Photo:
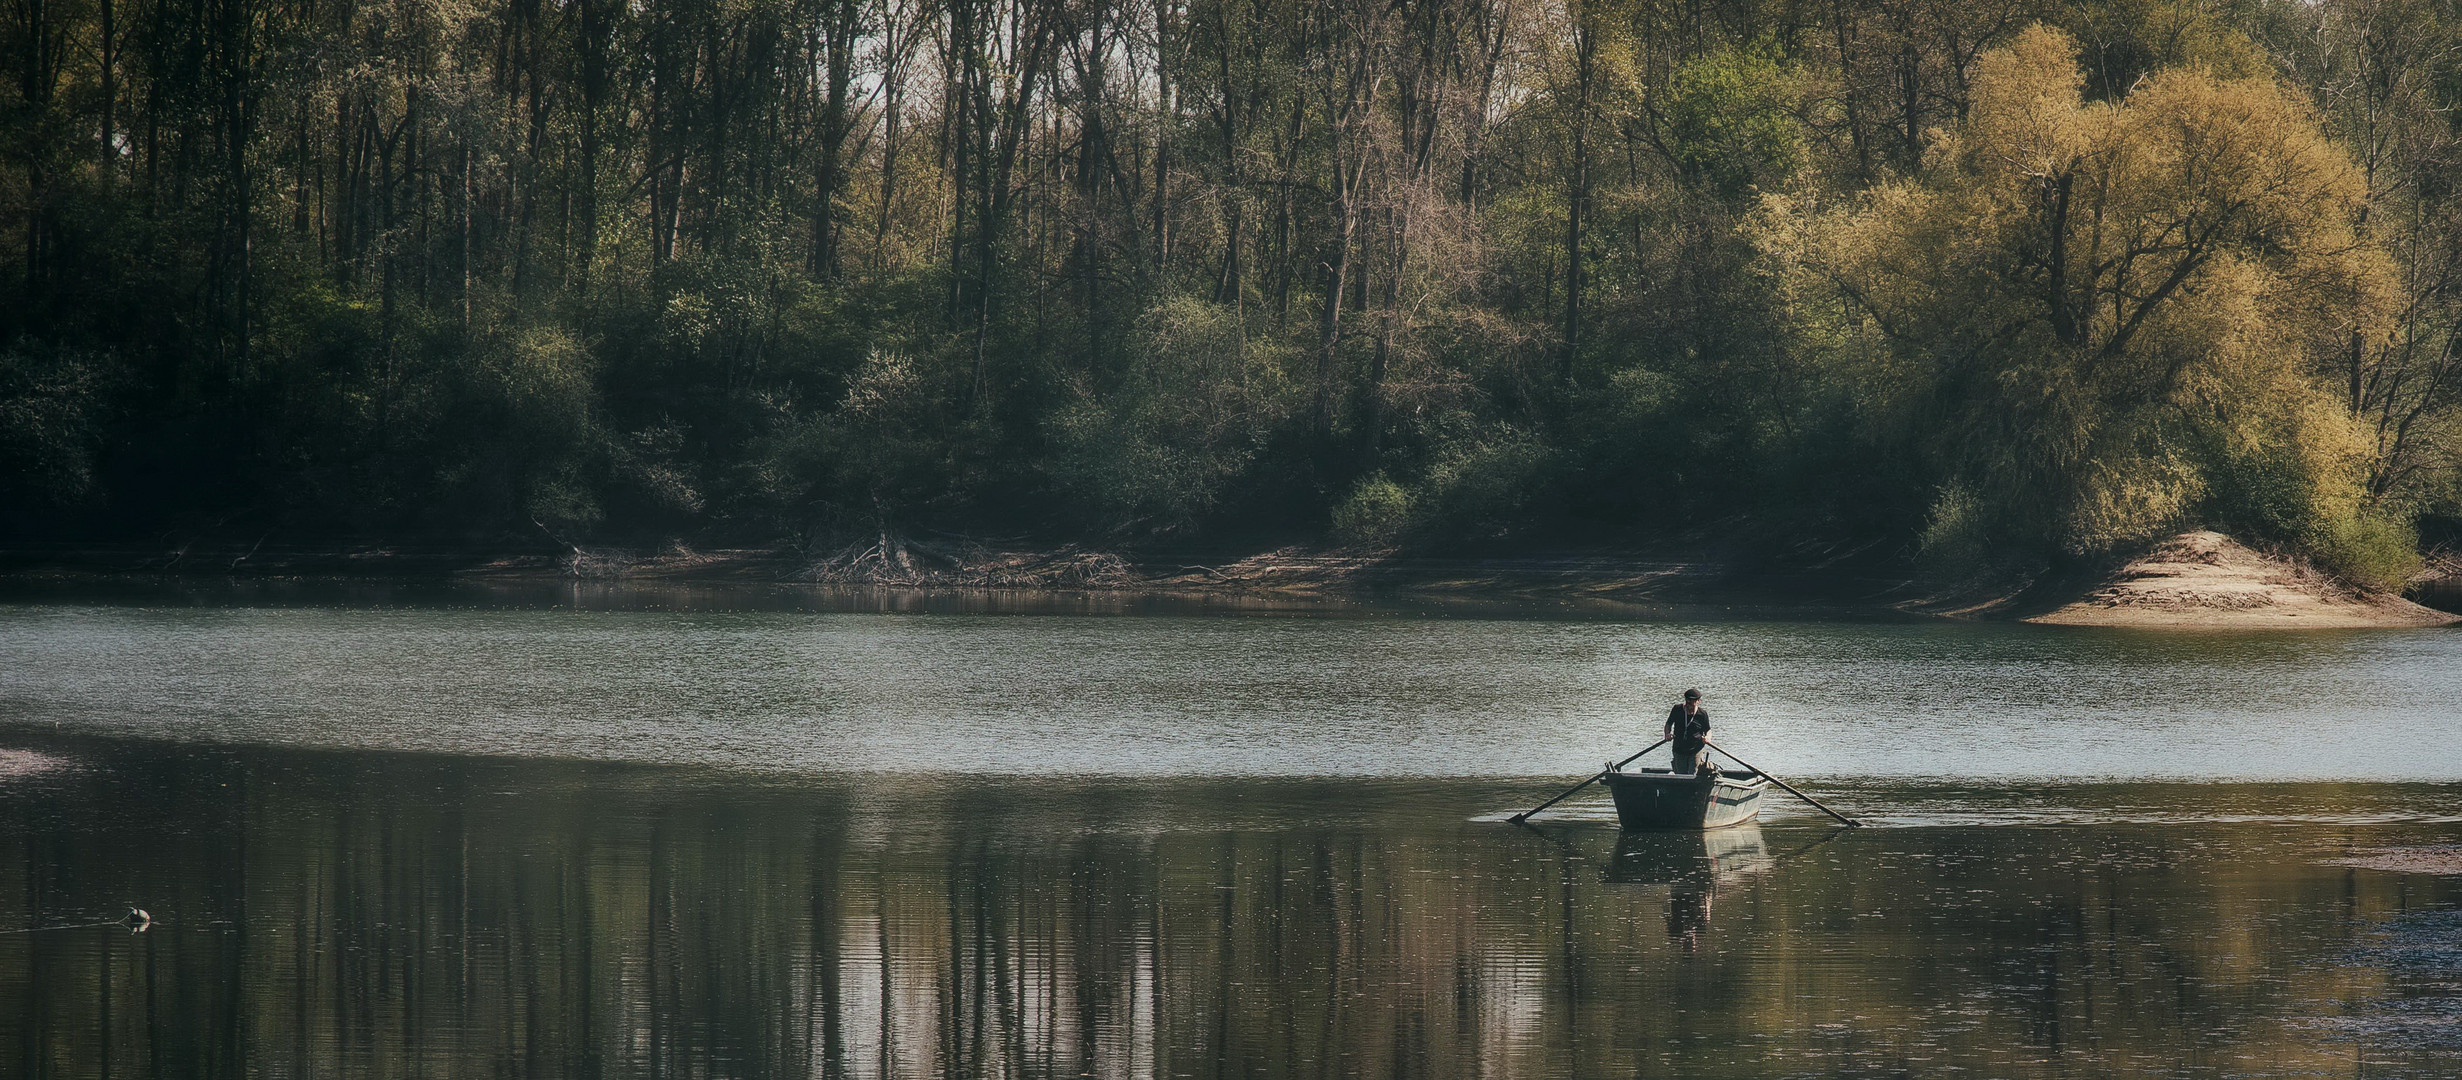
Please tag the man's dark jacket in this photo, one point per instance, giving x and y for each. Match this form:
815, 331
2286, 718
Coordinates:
1690, 730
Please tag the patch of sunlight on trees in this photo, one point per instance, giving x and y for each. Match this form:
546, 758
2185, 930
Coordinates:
2098, 321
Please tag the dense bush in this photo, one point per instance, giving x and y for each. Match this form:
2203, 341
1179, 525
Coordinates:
1376, 513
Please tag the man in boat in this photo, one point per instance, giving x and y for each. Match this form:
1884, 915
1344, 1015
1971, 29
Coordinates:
1688, 727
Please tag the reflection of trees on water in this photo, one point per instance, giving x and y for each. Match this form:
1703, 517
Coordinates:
372, 917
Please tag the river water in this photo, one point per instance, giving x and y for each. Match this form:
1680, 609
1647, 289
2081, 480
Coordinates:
636, 833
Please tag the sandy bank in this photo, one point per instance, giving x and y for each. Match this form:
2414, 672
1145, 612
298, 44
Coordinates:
2205, 580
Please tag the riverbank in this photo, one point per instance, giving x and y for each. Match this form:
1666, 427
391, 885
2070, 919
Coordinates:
2205, 580
2192, 581
1861, 580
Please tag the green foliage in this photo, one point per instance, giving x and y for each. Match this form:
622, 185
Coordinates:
528, 397
51, 408
1957, 539
1152, 452
1434, 274
1484, 487
2123, 41
1731, 120
2367, 550
2313, 501
543, 377
889, 443
1374, 514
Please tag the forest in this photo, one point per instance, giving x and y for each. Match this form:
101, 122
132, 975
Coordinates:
1991, 281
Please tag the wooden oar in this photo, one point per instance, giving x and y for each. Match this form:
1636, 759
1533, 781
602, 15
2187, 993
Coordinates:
1816, 803
1568, 792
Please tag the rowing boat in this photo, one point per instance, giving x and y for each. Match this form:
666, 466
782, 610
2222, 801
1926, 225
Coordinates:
1658, 799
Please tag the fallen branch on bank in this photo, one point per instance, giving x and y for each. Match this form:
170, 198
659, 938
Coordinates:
893, 559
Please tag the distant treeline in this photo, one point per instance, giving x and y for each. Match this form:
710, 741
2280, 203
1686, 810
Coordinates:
2007, 279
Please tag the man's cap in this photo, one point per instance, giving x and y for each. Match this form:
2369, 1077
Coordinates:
1692, 695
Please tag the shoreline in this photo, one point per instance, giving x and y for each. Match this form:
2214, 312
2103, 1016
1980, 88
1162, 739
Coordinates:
2195, 581
2203, 580
1287, 575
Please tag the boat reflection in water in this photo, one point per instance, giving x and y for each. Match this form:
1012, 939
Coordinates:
1693, 866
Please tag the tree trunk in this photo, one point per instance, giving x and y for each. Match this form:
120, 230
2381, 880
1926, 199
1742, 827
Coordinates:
838, 39
1585, 65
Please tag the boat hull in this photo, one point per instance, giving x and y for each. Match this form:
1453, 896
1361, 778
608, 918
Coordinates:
1656, 799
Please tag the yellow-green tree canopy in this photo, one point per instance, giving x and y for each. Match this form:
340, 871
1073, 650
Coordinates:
2103, 319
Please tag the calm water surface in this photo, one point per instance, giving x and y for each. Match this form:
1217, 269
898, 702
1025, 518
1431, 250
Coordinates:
598, 840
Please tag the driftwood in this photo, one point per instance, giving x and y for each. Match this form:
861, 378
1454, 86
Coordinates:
582, 562
888, 558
